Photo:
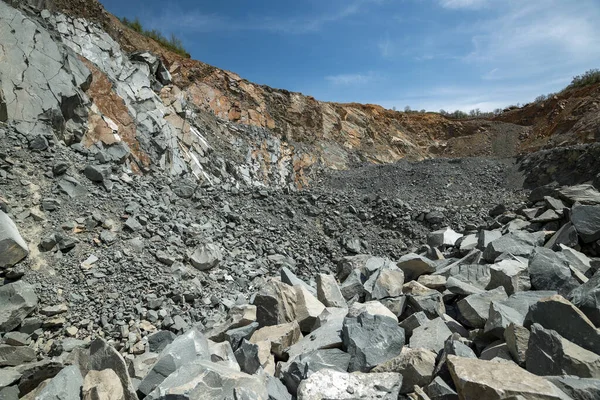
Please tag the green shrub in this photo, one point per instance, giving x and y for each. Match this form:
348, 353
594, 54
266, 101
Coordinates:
173, 43
589, 77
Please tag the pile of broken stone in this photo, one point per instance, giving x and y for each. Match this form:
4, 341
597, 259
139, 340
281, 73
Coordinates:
506, 311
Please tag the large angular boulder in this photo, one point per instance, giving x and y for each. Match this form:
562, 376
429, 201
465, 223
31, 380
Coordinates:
479, 379
64, 386
518, 243
548, 353
102, 357
327, 336
443, 237
415, 365
513, 275
517, 341
330, 384
474, 309
371, 340
187, 348
415, 265
307, 308
206, 256
15, 355
577, 388
203, 379
586, 220
102, 385
587, 298
12, 246
280, 337
17, 301
275, 303
584, 194
431, 335
549, 270
328, 291
305, 365
568, 321
384, 283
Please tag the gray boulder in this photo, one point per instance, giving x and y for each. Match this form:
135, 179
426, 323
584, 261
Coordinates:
518, 243
328, 291
586, 220
550, 354
17, 301
566, 235
440, 390
577, 388
247, 357
64, 386
512, 275
15, 355
587, 298
275, 303
302, 367
415, 365
517, 341
12, 246
206, 256
104, 356
371, 340
97, 173
415, 265
384, 283
431, 336
443, 237
187, 348
474, 309
584, 194
202, 379
549, 270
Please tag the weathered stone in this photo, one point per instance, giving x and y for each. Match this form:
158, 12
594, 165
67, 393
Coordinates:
510, 274
558, 314
97, 173
500, 316
479, 379
496, 351
208, 380
550, 354
103, 356
484, 238
8, 376
371, 340
577, 259
457, 286
157, 341
443, 237
584, 194
328, 291
247, 357
566, 235
222, 353
206, 256
474, 309
468, 243
275, 303
279, 336
184, 350
328, 336
549, 270
432, 335
12, 246
235, 336
371, 307
330, 384
71, 187
577, 388
516, 243
587, 298
440, 390
414, 265
102, 385
15, 355
586, 220
307, 364
291, 279
433, 281
64, 386
384, 283
517, 340
307, 308
415, 365
352, 286
33, 374
17, 301
395, 304
413, 321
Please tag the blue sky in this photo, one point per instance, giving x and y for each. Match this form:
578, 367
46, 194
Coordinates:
428, 54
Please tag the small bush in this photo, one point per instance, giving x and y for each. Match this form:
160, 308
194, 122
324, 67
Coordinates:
589, 77
173, 43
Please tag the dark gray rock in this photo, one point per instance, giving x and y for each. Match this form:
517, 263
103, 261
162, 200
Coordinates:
517, 341
558, 314
12, 246
432, 336
587, 298
549, 270
157, 341
71, 187
474, 309
235, 336
586, 220
328, 291
305, 365
413, 321
247, 357
577, 388
440, 390
17, 301
566, 235
518, 243
550, 354
371, 340
97, 173
15, 355
512, 275
277, 390
64, 386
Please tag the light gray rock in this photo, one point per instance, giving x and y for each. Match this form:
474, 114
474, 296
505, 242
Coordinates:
549, 270
517, 340
384, 283
415, 265
468, 243
330, 384
518, 243
202, 379
307, 308
8, 376
328, 336
512, 275
443, 237
104, 356
184, 350
584, 194
474, 309
206, 256
328, 291
371, 340
432, 335
484, 238
17, 301
550, 354
64, 386
587, 298
12, 246
415, 365
577, 260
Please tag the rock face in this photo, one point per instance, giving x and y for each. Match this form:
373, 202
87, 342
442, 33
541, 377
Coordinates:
477, 379
12, 246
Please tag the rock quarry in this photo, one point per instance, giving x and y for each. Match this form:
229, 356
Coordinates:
160, 239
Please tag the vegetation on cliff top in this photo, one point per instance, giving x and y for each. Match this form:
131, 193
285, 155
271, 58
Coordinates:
173, 43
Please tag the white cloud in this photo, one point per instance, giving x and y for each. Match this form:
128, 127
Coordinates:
456, 4
351, 79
